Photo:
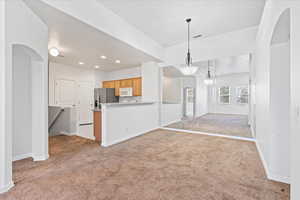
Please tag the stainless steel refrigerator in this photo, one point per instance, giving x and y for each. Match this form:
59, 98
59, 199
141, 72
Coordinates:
104, 95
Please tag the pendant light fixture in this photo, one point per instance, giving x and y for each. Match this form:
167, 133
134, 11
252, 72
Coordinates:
188, 69
208, 80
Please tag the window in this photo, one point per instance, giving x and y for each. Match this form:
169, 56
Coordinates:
242, 94
224, 95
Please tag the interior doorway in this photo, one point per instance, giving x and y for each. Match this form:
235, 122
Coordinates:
29, 112
188, 102
280, 99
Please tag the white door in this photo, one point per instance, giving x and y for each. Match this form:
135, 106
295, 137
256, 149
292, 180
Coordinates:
85, 113
189, 101
85, 102
65, 93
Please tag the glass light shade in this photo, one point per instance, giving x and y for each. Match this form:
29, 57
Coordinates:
188, 70
54, 52
208, 81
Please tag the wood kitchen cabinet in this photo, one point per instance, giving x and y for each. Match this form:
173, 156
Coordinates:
117, 87
108, 84
98, 126
137, 86
134, 83
126, 83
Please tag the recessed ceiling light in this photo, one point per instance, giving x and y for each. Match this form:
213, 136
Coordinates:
97, 66
54, 52
118, 61
81, 63
103, 57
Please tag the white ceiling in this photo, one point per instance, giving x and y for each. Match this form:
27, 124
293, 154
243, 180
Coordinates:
79, 42
164, 20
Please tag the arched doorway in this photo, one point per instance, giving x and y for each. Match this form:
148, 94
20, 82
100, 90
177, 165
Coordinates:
280, 98
29, 134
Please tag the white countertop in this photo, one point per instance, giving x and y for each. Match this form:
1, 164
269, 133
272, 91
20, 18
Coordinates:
126, 103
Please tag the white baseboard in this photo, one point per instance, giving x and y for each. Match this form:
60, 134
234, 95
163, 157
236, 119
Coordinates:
40, 157
279, 178
172, 122
269, 173
67, 134
23, 156
105, 144
6, 188
210, 134
86, 137
262, 158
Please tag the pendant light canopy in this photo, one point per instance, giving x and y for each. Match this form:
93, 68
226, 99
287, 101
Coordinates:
208, 80
188, 69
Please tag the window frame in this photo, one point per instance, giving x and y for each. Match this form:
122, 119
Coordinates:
229, 95
238, 96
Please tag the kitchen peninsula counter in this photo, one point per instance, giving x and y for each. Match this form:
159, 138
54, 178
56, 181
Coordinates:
117, 122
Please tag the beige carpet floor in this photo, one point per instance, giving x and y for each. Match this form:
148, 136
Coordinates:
231, 125
160, 165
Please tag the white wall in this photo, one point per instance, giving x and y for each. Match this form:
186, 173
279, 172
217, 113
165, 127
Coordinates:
123, 74
201, 97
233, 81
280, 111
229, 44
295, 101
172, 90
272, 13
20, 19
22, 105
151, 82
5, 162
123, 122
170, 113
78, 74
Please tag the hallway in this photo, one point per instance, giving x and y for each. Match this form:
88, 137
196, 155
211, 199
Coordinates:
158, 165
223, 124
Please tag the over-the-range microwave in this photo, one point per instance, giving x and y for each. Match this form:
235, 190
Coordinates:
125, 92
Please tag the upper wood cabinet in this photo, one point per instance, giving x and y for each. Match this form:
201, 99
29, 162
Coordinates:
126, 83
108, 84
117, 87
134, 83
137, 86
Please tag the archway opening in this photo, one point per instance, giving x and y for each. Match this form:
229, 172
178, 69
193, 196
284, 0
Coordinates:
280, 98
26, 85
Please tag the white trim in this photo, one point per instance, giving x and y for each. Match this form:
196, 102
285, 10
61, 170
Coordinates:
210, 134
252, 131
67, 134
104, 144
172, 122
270, 175
7, 187
40, 157
23, 156
87, 137
279, 178
264, 162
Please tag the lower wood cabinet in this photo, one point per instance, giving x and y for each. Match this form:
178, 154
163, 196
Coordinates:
98, 126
